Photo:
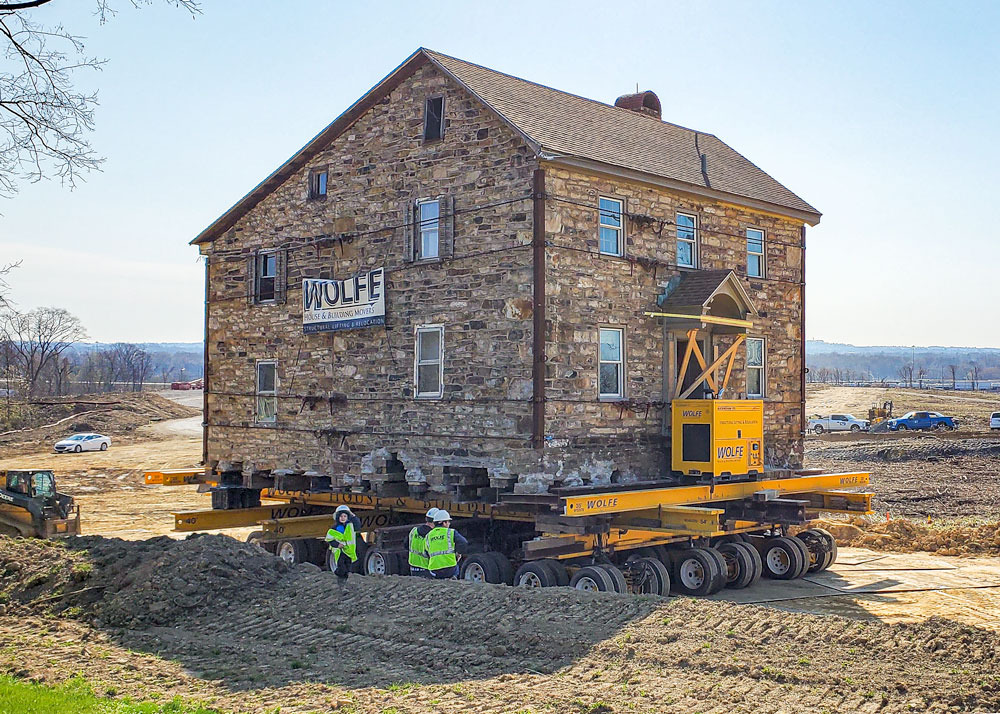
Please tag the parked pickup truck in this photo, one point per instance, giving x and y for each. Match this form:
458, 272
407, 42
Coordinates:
837, 422
922, 420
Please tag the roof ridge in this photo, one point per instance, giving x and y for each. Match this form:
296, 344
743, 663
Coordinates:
630, 112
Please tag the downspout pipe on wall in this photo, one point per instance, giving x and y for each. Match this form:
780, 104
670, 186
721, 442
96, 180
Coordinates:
538, 311
802, 336
204, 378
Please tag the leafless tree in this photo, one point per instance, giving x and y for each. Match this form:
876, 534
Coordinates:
37, 337
906, 374
921, 373
953, 368
44, 120
974, 374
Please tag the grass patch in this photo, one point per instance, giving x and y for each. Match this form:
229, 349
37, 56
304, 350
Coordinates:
76, 696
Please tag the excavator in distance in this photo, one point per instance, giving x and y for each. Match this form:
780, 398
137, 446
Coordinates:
30, 506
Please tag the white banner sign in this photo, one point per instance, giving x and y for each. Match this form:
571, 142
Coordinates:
329, 305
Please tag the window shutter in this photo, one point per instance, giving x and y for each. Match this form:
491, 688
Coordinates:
280, 275
408, 231
446, 232
251, 278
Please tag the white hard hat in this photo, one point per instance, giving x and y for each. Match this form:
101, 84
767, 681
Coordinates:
441, 515
342, 509
432, 512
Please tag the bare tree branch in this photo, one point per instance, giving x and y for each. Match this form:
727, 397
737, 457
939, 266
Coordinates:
45, 122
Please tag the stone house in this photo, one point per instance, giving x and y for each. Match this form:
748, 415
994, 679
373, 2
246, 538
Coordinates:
447, 288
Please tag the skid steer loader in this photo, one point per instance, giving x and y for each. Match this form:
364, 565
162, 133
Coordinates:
31, 507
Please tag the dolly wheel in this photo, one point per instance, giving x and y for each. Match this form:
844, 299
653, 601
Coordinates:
480, 568
506, 569
822, 548
381, 562
804, 551
558, 571
293, 552
617, 577
535, 574
782, 559
741, 571
649, 576
720, 579
697, 572
592, 578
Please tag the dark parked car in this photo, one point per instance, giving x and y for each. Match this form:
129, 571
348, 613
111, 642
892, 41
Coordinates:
922, 420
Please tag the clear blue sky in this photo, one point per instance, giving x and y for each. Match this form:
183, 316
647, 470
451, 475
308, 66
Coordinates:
883, 115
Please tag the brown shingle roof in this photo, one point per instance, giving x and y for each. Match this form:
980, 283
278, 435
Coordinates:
561, 124
565, 124
695, 288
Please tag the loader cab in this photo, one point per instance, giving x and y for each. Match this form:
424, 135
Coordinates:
34, 485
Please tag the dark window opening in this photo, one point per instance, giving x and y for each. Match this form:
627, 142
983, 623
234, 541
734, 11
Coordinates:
433, 118
267, 271
317, 184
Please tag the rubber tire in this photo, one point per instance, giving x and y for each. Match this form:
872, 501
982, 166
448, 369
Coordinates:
358, 566
77, 449
486, 566
855, 428
403, 560
720, 580
388, 559
297, 551
738, 558
558, 570
833, 550
818, 429
730, 538
902, 427
658, 577
817, 548
104, 446
710, 570
506, 569
541, 573
805, 555
662, 552
792, 554
618, 577
758, 566
595, 574
255, 537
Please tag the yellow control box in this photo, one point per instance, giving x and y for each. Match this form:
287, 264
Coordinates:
721, 437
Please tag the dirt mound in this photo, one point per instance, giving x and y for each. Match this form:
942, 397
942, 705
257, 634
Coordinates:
907, 536
42, 421
921, 448
131, 583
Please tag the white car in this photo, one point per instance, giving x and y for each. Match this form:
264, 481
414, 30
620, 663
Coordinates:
995, 420
837, 422
83, 442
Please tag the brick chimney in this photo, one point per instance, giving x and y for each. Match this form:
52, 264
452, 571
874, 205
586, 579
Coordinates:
643, 102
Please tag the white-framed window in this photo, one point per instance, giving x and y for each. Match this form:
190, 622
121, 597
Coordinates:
267, 391
265, 277
433, 118
756, 367
755, 253
687, 240
428, 229
611, 226
611, 363
428, 367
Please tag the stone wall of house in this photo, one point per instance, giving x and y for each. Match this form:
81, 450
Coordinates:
346, 408
624, 441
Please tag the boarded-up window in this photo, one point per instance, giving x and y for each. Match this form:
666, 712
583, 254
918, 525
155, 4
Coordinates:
433, 118
317, 184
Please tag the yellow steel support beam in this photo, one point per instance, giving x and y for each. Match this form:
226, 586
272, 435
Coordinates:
673, 520
317, 526
211, 520
172, 477
839, 501
402, 504
618, 502
707, 319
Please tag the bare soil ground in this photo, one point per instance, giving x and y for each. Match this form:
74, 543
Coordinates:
223, 622
941, 475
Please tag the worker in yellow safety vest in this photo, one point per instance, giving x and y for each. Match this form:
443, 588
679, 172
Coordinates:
417, 556
342, 539
443, 546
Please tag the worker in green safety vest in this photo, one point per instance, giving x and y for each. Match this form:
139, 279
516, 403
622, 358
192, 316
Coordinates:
442, 546
417, 555
342, 539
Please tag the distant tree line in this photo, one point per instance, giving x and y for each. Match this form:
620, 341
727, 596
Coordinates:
957, 368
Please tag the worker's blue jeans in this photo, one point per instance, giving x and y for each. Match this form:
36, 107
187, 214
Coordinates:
445, 573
